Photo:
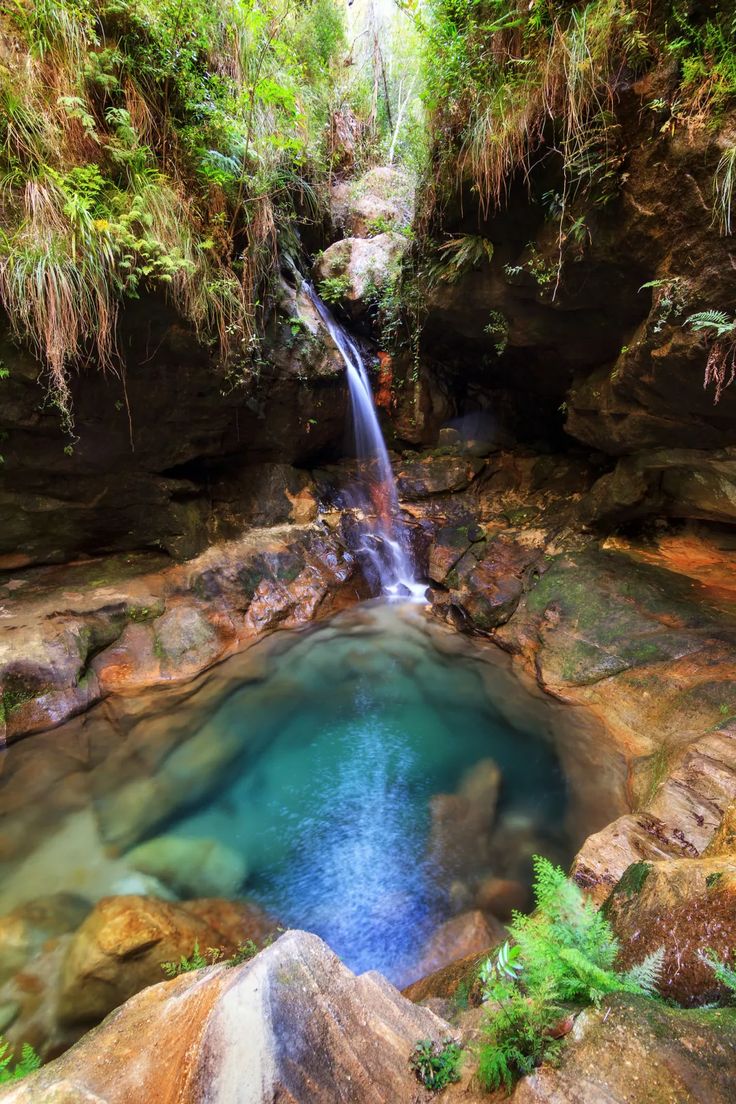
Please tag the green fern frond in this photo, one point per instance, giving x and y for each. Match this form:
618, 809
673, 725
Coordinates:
27, 1063
647, 974
725, 974
716, 321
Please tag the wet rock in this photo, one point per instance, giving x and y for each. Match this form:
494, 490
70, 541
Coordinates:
363, 267
24, 931
465, 935
184, 641
311, 1030
191, 867
432, 475
686, 907
119, 949
487, 583
636, 1050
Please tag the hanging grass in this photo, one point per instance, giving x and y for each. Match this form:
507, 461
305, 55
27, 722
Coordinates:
155, 144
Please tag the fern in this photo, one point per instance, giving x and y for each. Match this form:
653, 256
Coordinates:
564, 952
716, 323
725, 974
647, 974
27, 1063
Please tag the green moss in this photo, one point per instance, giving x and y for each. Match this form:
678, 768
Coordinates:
632, 881
713, 879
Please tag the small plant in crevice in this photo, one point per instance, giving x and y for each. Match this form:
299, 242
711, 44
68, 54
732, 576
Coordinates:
498, 328
436, 1064
12, 1069
561, 960
213, 956
668, 300
720, 330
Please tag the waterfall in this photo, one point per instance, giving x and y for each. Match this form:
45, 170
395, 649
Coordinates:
383, 548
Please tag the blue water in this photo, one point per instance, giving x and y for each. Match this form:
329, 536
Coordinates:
356, 724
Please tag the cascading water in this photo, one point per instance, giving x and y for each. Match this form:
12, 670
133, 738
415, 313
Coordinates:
383, 547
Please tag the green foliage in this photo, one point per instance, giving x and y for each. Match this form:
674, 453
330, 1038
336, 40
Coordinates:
333, 288
725, 974
195, 961
157, 143
11, 1070
211, 957
436, 1064
459, 255
562, 954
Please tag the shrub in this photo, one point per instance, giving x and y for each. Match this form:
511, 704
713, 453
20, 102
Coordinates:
333, 288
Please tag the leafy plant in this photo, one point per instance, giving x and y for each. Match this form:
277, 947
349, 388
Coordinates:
720, 329
669, 300
334, 288
211, 957
562, 955
11, 1070
436, 1064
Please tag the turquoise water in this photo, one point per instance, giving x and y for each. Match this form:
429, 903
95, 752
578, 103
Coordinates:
357, 723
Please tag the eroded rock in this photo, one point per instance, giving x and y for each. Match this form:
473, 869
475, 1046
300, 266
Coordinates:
292, 1024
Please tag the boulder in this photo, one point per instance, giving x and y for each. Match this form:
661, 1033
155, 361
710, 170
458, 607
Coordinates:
636, 1050
436, 474
360, 268
191, 867
24, 931
119, 949
381, 199
293, 1024
465, 935
686, 907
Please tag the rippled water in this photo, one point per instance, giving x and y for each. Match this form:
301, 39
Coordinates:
333, 815
317, 757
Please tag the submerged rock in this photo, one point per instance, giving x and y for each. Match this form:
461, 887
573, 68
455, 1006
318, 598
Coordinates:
291, 1025
191, 867
24, 931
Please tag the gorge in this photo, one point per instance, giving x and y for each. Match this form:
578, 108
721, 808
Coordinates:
367, 601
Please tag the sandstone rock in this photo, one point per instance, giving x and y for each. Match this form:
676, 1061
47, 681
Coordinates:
678, 822
119, 949
465, 935
686, 907
486, 584
381, 199
292, 1024
24, 930
191, 867
366, 265
457, 982
638, 1051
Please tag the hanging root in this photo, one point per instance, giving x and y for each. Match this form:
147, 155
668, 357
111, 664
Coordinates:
720, 369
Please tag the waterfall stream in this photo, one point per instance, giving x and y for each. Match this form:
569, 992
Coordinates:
383, 549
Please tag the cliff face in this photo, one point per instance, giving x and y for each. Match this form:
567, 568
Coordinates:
170, 452
590, 355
